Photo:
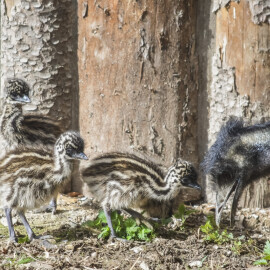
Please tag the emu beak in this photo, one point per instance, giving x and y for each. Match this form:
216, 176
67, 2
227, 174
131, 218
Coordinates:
194, 185
24, 99
219, 210
220, 206
80, 156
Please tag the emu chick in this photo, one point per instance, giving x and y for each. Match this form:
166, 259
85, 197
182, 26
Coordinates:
26, 130
29, 178
122, 181
240, 155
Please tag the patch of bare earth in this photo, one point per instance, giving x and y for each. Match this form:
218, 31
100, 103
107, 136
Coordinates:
77, 247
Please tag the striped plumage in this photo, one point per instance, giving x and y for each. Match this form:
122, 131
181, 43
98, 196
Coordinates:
30, 177
19, 130
123, 181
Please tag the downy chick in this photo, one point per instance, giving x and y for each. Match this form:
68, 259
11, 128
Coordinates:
123, 181
25, 130
29, 177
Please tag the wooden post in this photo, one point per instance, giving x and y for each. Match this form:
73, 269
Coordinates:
241, 76
137, 79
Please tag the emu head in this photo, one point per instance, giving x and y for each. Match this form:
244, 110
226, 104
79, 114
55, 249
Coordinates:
183, 174
17, 91
70, 146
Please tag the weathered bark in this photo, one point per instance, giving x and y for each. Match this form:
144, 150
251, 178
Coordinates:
241, 78
205, 46
39, 45
137, 79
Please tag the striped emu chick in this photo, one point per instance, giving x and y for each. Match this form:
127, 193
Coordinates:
122, 182
29, 178
18, 129
25, 130
240, 154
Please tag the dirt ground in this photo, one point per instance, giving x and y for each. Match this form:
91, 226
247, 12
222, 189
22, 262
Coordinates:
175, 247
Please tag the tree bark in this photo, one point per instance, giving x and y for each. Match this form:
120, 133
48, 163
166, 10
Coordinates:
241, 77
138, 89
39, 45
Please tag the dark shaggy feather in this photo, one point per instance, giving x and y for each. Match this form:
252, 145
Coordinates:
240, 155
225, 138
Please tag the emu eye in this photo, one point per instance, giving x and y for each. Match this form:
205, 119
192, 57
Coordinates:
69, 151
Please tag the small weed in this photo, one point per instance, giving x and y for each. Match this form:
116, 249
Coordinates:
212, 233
17, 261
23, 239
183, 213
266, 255
25, 260
124, 228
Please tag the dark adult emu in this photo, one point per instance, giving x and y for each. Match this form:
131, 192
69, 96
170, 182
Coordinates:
240, 155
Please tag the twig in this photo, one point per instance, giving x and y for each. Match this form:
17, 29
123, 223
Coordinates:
134, 263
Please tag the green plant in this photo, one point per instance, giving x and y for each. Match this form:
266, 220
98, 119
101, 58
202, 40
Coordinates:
212, 234
23, 239
124, 228
25, 260
237, 247
183, 213
266, 255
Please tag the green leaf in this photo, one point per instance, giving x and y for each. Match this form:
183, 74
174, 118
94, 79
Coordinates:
266, 250
260, 262
25, 260
105, 233
267, 257
23, 240
125, 228
181, 211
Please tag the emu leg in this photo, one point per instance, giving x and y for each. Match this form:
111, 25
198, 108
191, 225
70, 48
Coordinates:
139, 216
12, 235
30, 233
237, 194
53, 205
220, 207
107, 211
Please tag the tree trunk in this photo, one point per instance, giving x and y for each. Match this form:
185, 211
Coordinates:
241, 76
39, 45
138, 89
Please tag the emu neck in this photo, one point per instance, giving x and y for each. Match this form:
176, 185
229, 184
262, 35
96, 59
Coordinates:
62, 166
166, 192
11, 122
11, 109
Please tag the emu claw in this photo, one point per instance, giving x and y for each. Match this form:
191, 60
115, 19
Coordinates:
43, 240
115, 238
13, 242
44, 243
44, 237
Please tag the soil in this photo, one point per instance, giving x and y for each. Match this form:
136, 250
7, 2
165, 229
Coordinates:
176, 246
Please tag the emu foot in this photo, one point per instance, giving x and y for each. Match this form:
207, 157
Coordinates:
40, 237
146, 222
44, 243
44, 240
47, 209
139, 218
115, 238
13, 241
